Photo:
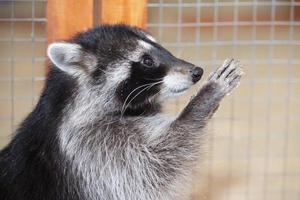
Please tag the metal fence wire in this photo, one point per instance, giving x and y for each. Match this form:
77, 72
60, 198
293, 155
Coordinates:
253, 151
22, 58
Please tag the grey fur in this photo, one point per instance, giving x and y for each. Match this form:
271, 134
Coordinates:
136, 158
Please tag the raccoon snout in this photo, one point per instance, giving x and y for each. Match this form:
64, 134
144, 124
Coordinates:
196, 74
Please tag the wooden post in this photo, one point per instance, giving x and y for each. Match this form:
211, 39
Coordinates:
66, 17
131, 12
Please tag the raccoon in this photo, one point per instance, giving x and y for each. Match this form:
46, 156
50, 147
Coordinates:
98, 132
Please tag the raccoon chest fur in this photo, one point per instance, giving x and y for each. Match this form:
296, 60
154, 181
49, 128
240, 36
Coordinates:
114, 159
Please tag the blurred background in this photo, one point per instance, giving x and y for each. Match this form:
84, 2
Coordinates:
253, 147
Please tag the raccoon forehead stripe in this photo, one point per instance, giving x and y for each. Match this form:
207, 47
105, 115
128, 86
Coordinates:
145, 45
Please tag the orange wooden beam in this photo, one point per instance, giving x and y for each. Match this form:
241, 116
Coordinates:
132, 12
67, 17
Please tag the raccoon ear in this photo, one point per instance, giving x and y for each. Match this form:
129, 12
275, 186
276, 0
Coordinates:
66, 56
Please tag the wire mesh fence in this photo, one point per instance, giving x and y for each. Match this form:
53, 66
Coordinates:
253, 152
22, 56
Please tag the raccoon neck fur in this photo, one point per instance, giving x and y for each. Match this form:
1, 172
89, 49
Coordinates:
93, 136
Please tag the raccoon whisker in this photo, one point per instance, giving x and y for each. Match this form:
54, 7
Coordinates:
157, 93
124, 107
123, 110
133, 92
155, 79
153, 84
150, 101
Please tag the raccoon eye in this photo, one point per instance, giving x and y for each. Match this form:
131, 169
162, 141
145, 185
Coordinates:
148, 61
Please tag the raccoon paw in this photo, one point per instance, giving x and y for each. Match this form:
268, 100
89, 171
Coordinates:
227, 77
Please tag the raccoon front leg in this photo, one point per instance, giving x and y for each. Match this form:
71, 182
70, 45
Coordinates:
180, 144
220, 83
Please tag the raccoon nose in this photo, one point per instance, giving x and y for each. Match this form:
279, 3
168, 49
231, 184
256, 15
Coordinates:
196, 73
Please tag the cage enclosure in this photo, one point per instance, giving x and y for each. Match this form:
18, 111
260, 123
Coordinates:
253, 146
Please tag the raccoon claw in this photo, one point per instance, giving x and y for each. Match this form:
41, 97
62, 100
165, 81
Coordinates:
227, 77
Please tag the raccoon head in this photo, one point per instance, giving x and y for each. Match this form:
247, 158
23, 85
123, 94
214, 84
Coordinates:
126, 65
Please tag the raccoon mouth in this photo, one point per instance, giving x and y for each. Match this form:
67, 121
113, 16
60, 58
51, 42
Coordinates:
181, 90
